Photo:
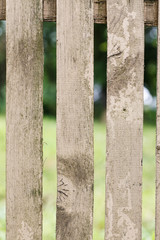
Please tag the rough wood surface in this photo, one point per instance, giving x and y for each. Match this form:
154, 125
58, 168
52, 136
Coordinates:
157, 232
50, 10
124, 119
2, 9
100, 13
24, 118
75, 168
151, 13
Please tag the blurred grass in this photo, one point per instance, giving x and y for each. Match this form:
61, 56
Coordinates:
49, 180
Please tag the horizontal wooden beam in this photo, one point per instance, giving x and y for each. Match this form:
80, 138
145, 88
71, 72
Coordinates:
100, 14
150, 12
2, 9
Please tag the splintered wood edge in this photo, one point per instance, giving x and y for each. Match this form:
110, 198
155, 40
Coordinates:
100, 14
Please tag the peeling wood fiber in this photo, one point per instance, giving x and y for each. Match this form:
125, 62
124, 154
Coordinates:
125, 70
24, 117
75, 153
100, 14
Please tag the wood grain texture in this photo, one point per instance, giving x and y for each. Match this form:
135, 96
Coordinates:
157, 231
50, 10
75, 28
24, 34
2, 9
125, 66
151, 13
100, 13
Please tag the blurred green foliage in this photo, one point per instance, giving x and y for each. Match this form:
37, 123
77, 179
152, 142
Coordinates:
150, 72
2, 66
100, 57
49, 87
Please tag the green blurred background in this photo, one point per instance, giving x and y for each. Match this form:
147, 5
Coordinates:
49, 179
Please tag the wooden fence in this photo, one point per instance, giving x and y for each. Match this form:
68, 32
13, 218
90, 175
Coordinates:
75, 149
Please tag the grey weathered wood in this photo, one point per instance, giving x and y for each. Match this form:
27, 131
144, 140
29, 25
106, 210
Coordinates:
157, 232
124, 119
2, 9
100, 13
24, 119
75, 119
50, 10
151, 13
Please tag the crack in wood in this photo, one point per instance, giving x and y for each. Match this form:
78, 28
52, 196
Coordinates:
62, 192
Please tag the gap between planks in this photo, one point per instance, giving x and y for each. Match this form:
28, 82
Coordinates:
100, 15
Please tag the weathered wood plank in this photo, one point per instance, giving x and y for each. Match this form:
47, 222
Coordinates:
2, 9
151, 13
157, 231
50, 10
100, 13
75, 168
24, 33
124, 119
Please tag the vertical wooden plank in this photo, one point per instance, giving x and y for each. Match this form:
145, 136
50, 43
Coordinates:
24, 119
125, 24
75, 119
157, 231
